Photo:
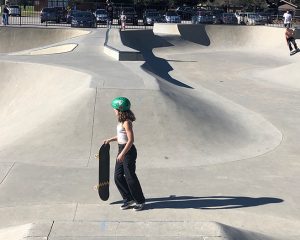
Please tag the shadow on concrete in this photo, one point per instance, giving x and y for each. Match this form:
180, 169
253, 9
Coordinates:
187, 32
207, 203
145, 41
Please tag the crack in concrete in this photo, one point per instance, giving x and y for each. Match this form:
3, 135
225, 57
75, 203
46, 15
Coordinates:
48, 236
8, 172
75, 212
93, 124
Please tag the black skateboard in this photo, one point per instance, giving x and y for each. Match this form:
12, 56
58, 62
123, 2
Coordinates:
294, 52
103, 183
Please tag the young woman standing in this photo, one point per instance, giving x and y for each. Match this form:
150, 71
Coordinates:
125, 176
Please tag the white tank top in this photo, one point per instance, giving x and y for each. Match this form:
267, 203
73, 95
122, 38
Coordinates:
121, 134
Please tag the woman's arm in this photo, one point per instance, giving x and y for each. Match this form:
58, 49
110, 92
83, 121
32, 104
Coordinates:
110, 140
130, 136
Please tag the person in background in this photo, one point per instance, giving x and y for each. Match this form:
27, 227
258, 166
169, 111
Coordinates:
123, 20
110, 13
289, 35
287, 19
5, 15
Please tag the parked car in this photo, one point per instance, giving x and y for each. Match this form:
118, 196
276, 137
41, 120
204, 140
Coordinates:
50, 15
131, 15
229, 18
101, 15
83, 19
266, 17
185, 12
62, 12
204, 17
14, 10
152, 17
217, 16
70, 15
149, 10
171, 16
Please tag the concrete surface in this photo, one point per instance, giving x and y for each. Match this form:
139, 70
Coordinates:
216, 132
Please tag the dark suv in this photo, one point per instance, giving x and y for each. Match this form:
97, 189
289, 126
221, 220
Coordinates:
50, 15
131, 15
62, 12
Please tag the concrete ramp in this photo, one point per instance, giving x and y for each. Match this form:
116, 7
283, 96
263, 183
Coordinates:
15, 39
115, 48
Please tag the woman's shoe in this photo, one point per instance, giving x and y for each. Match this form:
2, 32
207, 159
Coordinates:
127, 205
139, 207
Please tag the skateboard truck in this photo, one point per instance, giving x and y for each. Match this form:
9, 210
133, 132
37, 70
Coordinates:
98, 186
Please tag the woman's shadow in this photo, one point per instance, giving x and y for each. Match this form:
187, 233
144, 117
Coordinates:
207, 203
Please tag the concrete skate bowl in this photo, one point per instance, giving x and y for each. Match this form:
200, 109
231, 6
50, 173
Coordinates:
14, 39
38, 101
230, 37
195, 124
262, 46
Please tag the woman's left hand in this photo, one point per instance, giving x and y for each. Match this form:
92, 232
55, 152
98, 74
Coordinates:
120, 158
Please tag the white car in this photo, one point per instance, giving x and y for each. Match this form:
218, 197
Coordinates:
14, 10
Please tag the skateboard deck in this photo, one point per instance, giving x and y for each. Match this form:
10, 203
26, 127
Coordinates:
103, 183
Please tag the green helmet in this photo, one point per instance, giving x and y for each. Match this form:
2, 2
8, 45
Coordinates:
121, 103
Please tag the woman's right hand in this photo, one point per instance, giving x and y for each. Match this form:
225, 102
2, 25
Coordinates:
107, 141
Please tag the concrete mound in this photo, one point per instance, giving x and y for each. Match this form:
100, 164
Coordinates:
279, 75
34, 98
15, 39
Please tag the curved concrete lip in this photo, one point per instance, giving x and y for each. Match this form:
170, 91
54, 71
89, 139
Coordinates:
57, 49
17, 39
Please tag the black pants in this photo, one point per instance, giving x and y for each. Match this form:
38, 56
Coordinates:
126, 179
291, 41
